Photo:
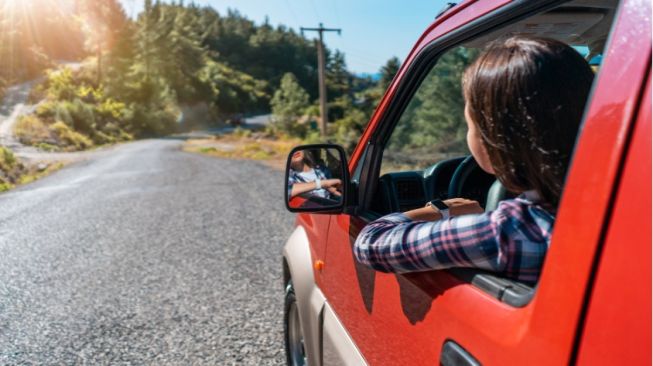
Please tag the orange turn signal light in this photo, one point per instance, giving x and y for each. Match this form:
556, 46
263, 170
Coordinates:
318, 265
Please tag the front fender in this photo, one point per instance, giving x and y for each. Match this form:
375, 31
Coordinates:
298, 265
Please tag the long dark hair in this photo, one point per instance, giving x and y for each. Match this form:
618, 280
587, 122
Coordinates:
527, 95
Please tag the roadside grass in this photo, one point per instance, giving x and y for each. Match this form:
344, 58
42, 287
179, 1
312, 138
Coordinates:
31, 130
14, 173
273, 151
38, 174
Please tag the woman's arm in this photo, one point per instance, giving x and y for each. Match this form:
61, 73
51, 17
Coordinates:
396, 243
420, 240
299, 188
457, 207
513, 240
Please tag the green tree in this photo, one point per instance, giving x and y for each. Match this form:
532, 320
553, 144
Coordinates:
232, 91
388, 72
288, 104
182, 55
337, 77
434, 118
102, 22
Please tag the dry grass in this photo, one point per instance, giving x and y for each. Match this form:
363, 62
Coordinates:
272, 152
14, 173
31, 130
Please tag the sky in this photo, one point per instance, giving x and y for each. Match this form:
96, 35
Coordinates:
372, 30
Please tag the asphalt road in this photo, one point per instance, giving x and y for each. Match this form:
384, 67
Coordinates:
144, 254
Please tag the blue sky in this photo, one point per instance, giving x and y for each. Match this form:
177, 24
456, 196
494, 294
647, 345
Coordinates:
372, 30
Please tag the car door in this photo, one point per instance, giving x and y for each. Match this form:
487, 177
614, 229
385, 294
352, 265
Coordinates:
444, 316
619, 305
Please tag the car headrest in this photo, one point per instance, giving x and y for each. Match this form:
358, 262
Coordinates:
496, 193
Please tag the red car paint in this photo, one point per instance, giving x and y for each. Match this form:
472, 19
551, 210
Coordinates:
593, 301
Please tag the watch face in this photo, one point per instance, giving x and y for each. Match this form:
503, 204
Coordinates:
440, 205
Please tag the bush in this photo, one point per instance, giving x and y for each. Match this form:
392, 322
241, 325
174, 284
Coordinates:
51, 111
83, 116
31, 130
149, 121
288, 104
10, 169
69, 137
77, 115
60, 84
7, 159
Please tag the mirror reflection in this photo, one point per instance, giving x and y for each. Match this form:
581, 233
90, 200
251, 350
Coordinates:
314, 178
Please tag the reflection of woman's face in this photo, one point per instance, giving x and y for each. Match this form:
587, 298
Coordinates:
297, 159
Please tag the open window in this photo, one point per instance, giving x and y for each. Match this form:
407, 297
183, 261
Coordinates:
419, 153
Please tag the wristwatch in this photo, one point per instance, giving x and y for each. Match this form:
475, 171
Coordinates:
440, 207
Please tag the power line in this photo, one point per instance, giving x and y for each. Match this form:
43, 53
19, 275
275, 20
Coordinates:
292, 12
317, 16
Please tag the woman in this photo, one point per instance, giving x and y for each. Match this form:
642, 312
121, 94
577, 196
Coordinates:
524, 100
308, 179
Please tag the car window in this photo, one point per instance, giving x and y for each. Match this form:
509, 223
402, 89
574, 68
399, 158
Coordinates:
426, 156
432, 128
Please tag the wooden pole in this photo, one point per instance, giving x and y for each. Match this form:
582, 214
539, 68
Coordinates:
321, 66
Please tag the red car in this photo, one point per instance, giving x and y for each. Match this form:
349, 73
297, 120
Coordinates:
592, 304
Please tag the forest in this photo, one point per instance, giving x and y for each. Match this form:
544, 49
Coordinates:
179, 67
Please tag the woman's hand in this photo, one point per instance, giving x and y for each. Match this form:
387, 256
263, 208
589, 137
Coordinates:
457, 207
333, 186
331, 183
463, 206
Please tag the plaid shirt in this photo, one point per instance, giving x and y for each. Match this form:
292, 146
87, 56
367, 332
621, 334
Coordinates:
294, 177
511, 240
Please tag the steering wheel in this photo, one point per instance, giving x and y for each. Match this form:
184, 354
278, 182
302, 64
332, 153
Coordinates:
470, 181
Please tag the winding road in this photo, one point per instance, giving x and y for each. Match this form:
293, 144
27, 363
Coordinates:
144, 254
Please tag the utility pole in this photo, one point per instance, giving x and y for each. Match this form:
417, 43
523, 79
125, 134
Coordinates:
322, 73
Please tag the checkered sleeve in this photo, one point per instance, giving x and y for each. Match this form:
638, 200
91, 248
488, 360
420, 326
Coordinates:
292, 179
505, 240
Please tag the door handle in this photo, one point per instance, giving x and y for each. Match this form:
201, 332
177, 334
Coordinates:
454, 355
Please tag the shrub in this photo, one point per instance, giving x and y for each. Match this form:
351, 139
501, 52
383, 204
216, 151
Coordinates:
46, 146
111, 109
31, 130
69, 137
288, 104
52, 111
150, 121
83, 116
62, 113
242, 132
10, 169
7, 159
60, 84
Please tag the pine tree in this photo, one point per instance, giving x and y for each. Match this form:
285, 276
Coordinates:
102, 24
338, 78
288, 104
388, 72
434, 118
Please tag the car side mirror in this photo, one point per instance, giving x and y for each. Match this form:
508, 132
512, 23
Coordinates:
317, 179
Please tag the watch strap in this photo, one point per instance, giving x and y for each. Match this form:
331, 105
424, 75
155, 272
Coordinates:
440, 207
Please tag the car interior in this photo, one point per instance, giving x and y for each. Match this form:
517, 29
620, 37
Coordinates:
583, 24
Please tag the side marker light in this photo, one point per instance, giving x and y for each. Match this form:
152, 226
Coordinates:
318, 265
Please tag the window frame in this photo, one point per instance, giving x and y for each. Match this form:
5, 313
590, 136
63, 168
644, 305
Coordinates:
367, 176
516, 295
